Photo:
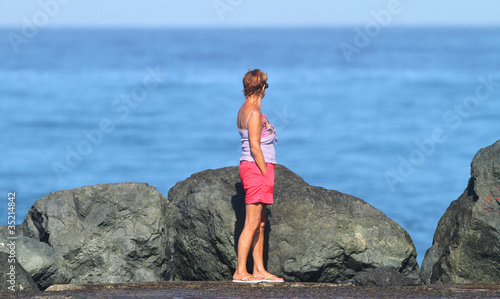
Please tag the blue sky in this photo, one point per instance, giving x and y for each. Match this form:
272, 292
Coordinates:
238, 13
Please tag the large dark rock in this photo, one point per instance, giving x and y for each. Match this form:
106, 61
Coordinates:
106, 233
43, 263
13, 277
466, 246
383, 276
314, 234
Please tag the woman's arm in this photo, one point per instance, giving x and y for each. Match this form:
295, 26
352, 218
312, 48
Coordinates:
254, 131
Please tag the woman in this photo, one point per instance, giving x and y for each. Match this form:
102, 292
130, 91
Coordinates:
257, 175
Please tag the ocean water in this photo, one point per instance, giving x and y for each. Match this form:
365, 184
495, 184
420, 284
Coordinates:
393, 118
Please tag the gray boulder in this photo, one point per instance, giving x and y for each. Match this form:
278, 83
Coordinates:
313, 234
106, 233
45, 266
13, 277
466, 246
383, 276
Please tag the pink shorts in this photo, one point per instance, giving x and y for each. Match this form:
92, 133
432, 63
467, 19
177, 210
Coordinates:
258, 187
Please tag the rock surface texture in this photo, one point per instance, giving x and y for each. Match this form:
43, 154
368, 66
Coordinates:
313, 234
45, 265
466, 245
105, 233
14, 279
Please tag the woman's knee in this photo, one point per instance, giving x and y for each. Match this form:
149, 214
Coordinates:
253, 224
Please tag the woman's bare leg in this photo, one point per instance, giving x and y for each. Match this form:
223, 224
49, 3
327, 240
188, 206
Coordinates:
258, 250
246, 241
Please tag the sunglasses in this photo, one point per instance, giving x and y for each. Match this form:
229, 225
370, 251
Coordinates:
267, 85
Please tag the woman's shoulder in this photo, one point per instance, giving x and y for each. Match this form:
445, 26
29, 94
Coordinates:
254, 118
255, 111
251, 112
246, 113
256, 114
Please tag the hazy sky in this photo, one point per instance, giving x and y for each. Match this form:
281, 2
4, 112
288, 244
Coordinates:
230, 13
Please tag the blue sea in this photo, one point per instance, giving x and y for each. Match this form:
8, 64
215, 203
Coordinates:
393, 117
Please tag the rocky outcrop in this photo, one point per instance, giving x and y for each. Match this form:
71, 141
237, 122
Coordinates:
383, 276
13, 276
105, 233
466, 245
45, 266
313, 234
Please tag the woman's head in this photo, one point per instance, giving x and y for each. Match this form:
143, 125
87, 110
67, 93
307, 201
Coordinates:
254, 83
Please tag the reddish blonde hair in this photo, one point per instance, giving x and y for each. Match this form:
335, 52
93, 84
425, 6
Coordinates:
253, 81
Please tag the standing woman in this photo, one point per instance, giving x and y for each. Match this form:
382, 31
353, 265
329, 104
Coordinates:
257, 175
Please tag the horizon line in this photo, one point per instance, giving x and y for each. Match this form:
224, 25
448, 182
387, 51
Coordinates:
212, 26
